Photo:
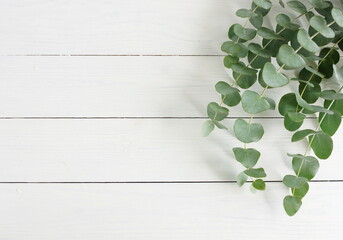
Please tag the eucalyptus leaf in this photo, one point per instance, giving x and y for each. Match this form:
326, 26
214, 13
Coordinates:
229, 60
297, 6
321, 144
255, 172
330, 123
296, 116
241, 179
305, 166
301, 192
313, 108
265, 4
285, 21
236, 49
248, 133
297, 136
320, 4
291, 125
207, 128
306, 42
245, 13
287, 103
216, 112
337, 16
290, 58
244, 81
292, 204
272, 77
331, 95
253, 103
320, 25
248, 157
268, 34
259, 184
244, 33
292, 181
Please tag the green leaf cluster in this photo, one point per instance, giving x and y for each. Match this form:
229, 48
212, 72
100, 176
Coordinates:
306, 53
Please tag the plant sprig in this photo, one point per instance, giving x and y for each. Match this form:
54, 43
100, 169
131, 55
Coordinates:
292, 47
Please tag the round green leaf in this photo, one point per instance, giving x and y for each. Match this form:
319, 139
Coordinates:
207, 128
244, 33
290, 58
336, 105
244, 81
294, 181
256, 61
256, 172
229, 60
309, 166
331, 95
297, 6
265, 4
232, 35
259, 184
285, 21
320, 4
310, 93
248, 133
248, 157
224, 88
326, 65
330, 123
292, 204
273, 77
297, 136
268, 34
241, 179
296, 116
291, 125
322, 145
319, 39
301, 192
288, 103
253, 103
312, 108
257, 20
320, 25
273, 45
337, 16
242, 69
306, 42
258, 50
236, 49
245, 13
216, 112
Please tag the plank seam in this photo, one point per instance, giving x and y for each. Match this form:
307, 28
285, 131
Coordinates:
161, 182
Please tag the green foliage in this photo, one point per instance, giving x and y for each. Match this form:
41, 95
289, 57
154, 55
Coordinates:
306, 54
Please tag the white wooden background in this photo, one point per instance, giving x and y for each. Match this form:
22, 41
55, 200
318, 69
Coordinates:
101, 104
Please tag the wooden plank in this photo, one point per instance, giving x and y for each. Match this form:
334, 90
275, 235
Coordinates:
117, 26
142, 150
114, 86
166, 211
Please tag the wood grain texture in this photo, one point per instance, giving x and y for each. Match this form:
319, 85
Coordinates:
117, 26
166, 211
115, 87
141, 150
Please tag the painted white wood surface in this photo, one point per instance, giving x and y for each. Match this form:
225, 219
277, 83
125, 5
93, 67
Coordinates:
33, 84
166, 211
116, 26
115, 86
141, 150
